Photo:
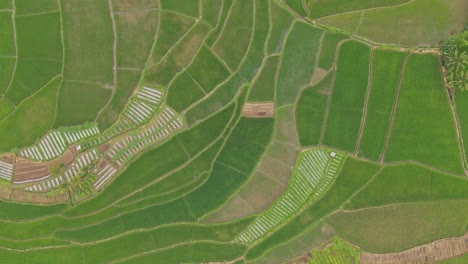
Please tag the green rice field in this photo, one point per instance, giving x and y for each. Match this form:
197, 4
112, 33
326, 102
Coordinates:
230, 131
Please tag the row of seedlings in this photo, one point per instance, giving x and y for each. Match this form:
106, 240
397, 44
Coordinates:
50, 147
305, 183
6, 170
164, 125
74, 170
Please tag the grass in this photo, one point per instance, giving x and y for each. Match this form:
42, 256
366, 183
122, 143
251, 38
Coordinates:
70, 111
135, 35
422, 22
172, 27
263, 89
207, 69
210, 11
235, 38
183, 92
88, 56
23, 7
403, 225
337, 252
7, 45
215, 101
178, 58
181, 6
297, 6
386, 69
457, 260
6, 72
461, 101
424, 130
347, 101
255, 55
310, 111
47, 44
30, 76
31, 119
297, 63
127, 81
281, 22
20, 212
5, 108
325, 8
328, 49
409, 183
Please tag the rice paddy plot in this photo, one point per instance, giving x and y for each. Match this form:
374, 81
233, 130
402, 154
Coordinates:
297, 63
424, 129
314, 174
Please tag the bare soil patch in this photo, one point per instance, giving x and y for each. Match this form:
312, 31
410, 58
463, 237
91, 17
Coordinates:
9, 158
27, 170
21, 196
266, 109
427, 253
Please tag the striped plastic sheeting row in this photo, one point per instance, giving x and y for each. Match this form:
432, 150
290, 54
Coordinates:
6, 170
55, 143
104, 176
166, 123
51, 146
316, 171
149, 99
82, 161
78, 135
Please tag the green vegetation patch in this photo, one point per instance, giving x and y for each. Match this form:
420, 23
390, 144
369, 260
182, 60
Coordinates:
30, 76
233, 43
329, 47
402, 226
31, 119
6, 72
353, 175
183, 92
337, 252
207, 69
88, 56
39, 37
320, 8
189, 8
172, 28
409, 183
79, 103
349, 92
127, 82
136, 31
424, 130
5, 108
23, 7
281, 22
386, 70
298, 61
263, 89
310, 111
7, 45
210, 11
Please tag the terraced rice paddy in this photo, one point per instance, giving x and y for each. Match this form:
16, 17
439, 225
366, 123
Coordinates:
315, 172
230, 131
